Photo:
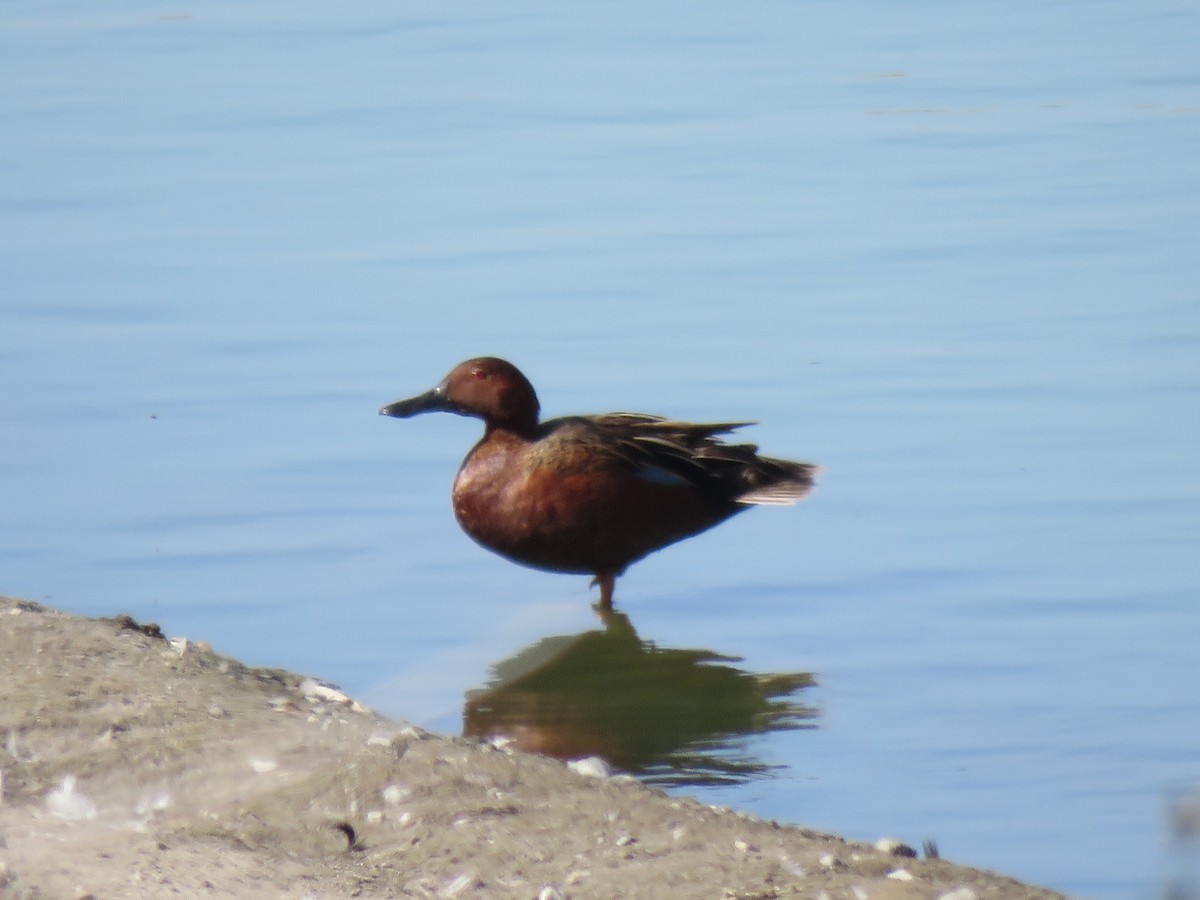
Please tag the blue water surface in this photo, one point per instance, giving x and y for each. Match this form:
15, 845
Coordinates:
946, 251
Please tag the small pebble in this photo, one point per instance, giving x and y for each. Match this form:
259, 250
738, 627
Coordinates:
353, 844
829, 861
549, 892
900, 875
962, 893
394, 793
893, 847
1185, 817
262, 766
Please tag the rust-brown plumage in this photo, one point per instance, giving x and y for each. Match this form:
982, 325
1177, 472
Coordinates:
593, 494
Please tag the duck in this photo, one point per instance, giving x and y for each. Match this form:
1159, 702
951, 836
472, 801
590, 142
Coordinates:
593, 494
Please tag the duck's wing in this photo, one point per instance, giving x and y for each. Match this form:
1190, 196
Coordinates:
671, 451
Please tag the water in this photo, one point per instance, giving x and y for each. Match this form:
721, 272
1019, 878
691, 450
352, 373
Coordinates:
946, 252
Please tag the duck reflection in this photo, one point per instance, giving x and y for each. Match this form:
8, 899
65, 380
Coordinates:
671, 717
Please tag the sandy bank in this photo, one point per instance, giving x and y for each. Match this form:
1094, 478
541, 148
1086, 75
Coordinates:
134, 766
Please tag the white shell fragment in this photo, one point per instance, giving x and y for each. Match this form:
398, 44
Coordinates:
591, 766
320, 692
64, 802
395, 793
829, 861
456, 887
154, 802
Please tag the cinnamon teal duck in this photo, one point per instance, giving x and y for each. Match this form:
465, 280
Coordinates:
593, 494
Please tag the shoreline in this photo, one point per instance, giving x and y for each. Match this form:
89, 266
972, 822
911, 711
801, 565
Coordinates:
138, 766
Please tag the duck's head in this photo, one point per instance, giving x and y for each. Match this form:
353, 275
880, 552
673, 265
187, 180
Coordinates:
487, 388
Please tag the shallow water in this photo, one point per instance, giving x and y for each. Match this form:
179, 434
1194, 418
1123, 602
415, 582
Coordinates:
947, 253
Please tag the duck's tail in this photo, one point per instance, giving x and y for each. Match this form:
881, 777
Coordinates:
777, 482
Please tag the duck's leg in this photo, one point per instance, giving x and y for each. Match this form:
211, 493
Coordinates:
606, 590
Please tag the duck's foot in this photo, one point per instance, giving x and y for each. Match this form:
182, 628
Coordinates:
606, 583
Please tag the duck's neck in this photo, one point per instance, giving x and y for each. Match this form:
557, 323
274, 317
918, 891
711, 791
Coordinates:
522, 429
